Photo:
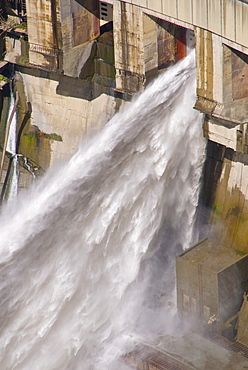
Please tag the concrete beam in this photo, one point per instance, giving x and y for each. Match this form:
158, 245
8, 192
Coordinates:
226, 18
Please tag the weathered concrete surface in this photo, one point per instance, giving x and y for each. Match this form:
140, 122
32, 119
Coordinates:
230, 210
150, 44
215, 89
100, 65
211, 279
79, 27
224, 194
227, 18
222, 95
187, 352
44, 33
129, 49
242, 324
78, 99
203, 354
68, 117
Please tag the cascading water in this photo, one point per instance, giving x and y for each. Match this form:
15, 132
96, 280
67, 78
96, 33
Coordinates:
11, 147
73, 285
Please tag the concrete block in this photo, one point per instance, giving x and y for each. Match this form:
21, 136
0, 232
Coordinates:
222, 135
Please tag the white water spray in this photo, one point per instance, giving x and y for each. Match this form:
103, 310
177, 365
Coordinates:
11, 147
71, 256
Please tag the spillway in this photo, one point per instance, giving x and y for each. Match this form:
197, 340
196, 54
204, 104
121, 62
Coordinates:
82, 251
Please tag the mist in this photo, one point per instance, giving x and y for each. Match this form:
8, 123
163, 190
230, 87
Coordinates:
88, 254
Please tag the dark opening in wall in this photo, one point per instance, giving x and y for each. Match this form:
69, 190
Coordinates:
165, 43
106, 27
173, 42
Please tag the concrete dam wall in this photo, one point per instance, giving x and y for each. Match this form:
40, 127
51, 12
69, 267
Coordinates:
66, 68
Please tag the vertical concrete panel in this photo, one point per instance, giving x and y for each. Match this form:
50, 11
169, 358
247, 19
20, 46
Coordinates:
31, 17
199, 51
200, 60
241, 23
66, 28
150, 44
39, 22
86, 24
142, 3
217, 69
169, 8
215, 16
229, 19
227, 77
185, 12
209, 66
41, 33
117, 33
232, 217
128, 46
155, 5
204, 53
200, 13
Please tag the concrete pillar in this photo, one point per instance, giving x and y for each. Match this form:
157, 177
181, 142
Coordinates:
80, 26
43, 31
150, 46
204, 57
129, 49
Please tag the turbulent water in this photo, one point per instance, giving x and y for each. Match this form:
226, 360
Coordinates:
11, 147
83, 255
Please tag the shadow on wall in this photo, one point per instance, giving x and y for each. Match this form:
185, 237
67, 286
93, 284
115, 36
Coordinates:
87, 90
91, 6
211, 174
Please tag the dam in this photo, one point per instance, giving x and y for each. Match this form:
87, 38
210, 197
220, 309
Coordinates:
160, 176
